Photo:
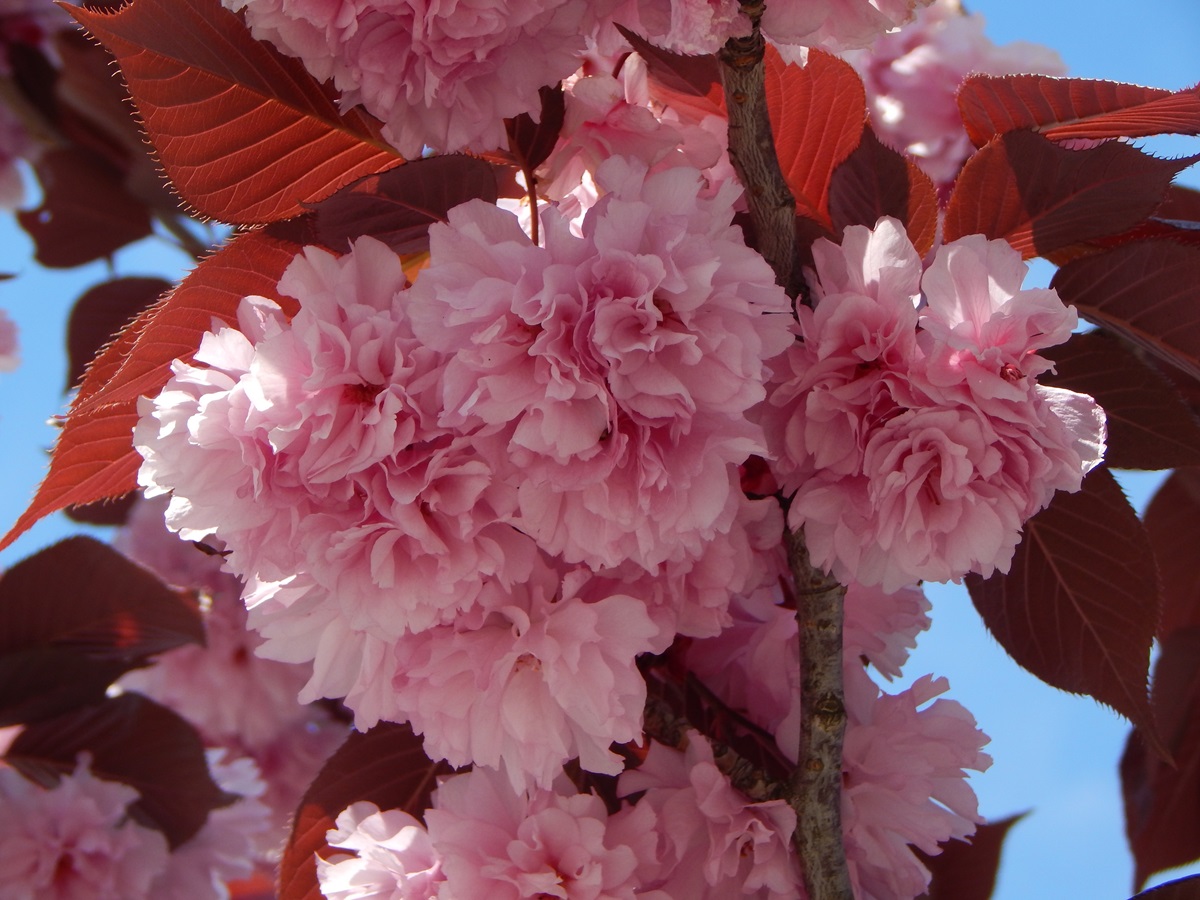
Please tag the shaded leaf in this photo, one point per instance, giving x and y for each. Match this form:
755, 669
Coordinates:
1149, 425
530, 142
1173, 520
877, 181
966, 870
1041, 197
1147, 292
104, 512
94, 457
817, 116
76, 616
1179, 889
1080, 604
86, 211
1162, 798
245, 134
135, 741
398, 206
387, 766
100, 314
679, 80
1073, 108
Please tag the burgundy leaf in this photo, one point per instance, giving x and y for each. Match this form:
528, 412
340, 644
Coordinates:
1147, 292
1173, 521
877, 181
1161, 795
692, 82
530, 142
104, 512
82, 594
86, 211
399, 205
1074, 108
818, 113
1080, 604
1149, 425
135, 741
1041, 197
966, 870
387, 766
244, 133
100, 314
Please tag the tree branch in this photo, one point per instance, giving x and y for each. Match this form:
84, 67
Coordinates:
816, 783
815, 791
752, 152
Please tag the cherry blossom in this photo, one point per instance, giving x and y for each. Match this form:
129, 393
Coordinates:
502, 844
912, 76
390, 857
909, 421
607, 361
75, 841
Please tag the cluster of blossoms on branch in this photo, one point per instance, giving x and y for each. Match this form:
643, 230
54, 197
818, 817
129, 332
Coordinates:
474, 493
508, 490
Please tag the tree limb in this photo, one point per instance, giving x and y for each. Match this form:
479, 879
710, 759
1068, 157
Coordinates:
816, 783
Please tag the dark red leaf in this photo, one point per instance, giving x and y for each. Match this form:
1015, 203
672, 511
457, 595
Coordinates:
877, 181
1162, 797
135, 741
1173, 521
104, 512
398, 206
100, 314
1041, 197
1074, 108
1149, 425
86, 211
817, 116
1080, 604
1179, 889
1147, 292
530, 142
681, 81
966, 870
94, 458
387, 766
75, 617
245, 134
82, 594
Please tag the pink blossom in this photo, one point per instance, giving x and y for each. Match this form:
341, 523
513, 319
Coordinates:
904, 784
919, 443
500, 844
443, 76
881, 628
530, 685
712, 841
834, 24
311, 449
617, 366
684, 26
912, 76
75, 841
391, 857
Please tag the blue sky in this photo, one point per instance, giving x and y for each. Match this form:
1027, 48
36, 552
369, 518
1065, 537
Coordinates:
1055, 754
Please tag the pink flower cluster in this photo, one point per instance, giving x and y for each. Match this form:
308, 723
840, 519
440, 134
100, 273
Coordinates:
473, 502
78, 841
912, 76
909, 423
